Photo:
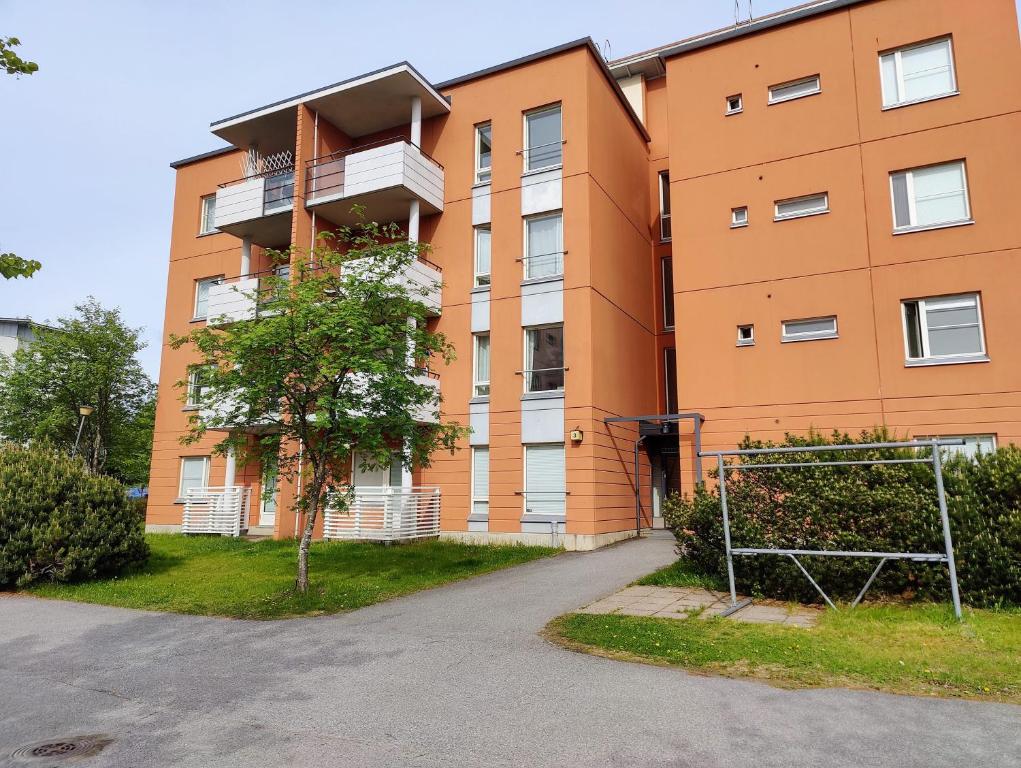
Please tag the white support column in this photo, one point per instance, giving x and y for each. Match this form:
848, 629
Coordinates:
231, 471
246, 256
413, 217
416, 121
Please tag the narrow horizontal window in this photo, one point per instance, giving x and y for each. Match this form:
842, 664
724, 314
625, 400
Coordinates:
735, 104
795, 207
739, 216
944, 329
795, 89
933, 196
917, 73
809, 329
746, 335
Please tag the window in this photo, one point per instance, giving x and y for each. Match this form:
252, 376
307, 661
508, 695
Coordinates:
796, 207
196, 384
667, 265
545, 480
483, 153
973, 444
480, 482
194, 474
933, 196
481, 369
807, 330
917, 73
746, 335
734, 104
946, 328
795, 89
664, 206
202, 296
483, 254
544, 359
543, 139
544, 245
670, 378
739, 217
206, 224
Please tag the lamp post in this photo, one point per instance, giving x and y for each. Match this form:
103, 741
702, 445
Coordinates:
85, 411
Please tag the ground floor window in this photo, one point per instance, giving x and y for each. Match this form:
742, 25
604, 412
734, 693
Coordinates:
545, 480
480, 482
194, 474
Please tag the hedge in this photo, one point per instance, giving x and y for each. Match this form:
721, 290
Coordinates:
59, 522
890, 507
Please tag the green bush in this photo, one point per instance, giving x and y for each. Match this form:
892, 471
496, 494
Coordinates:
891, 507
61, 523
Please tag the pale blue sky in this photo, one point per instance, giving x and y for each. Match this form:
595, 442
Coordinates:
126, 87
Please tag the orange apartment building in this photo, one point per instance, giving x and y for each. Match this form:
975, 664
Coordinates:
803, 221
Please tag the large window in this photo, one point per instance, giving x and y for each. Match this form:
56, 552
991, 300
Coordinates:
933, 196
483, 254
664, 206
480, 386
194, 474
543, 139
670, 378
483, 153
206, 224
794, 89
809, 329
918, 73
544, 358
202, 296
545, 480
544, 245
796, 207
667, 266
480, 482
944, 329
196, 385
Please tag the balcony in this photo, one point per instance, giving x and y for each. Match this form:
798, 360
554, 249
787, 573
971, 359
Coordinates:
257, 207
427, 414
422, 278
239, 298
384, 177
386, 514
219, 510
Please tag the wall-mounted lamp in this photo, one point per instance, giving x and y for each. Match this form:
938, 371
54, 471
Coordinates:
577, 435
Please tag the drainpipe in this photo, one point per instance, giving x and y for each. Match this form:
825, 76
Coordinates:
638, 491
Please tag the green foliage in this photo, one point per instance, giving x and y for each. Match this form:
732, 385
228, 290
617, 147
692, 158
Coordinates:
89, 359
61, 523
12, 266
11, 62
889, 507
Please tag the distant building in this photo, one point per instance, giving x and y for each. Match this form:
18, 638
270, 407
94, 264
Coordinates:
17, 332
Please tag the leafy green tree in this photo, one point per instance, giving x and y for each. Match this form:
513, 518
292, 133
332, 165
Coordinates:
331, 362
86, 360
15, 266
10, 62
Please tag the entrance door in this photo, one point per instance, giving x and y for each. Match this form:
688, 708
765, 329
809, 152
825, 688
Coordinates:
268, 504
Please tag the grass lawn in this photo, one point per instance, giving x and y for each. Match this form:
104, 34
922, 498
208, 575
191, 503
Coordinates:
218, 576
916, 649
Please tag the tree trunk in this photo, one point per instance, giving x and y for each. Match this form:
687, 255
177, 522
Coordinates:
312, 510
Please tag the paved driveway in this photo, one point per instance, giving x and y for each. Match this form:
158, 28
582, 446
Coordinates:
452, 677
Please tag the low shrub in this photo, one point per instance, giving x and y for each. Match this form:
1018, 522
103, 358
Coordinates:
890, 507
59, 522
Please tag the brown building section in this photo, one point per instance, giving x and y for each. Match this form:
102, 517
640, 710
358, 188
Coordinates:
659, 154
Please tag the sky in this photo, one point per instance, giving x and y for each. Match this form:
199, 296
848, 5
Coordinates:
124, 88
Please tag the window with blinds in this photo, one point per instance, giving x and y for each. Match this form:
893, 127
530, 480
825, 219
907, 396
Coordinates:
480, 482
545, 480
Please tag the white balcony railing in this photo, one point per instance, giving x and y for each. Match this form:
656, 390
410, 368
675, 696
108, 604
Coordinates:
222, 510
386, 514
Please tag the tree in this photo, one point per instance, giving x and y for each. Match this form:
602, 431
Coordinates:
11, 265
330, 363
86, 360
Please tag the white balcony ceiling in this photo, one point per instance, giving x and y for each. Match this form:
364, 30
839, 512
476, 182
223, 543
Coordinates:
360, 106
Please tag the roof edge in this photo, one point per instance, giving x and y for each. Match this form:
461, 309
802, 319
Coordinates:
204, 156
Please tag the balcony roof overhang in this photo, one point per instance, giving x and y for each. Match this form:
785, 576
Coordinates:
362, 105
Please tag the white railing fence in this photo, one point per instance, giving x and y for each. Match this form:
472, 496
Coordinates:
222, 510
386, 514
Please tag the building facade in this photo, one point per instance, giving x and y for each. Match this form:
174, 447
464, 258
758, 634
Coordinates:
802, 222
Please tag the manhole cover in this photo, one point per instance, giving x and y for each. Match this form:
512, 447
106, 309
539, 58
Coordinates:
73, 748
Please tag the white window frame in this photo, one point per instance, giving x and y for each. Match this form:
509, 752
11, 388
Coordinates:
665, 223
527, 356
781, 99
194, 390
734, 110
527, 149
487, 275
912, 211
207, 281
479, 170
788, 338
524, 473
525, 221
734, 223
750, 341
899, 72
473, 499
815, 211
923, 324
477, 383
207, 219
205, 473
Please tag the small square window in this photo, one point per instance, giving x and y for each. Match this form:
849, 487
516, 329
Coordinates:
809, 329
739, 216
746, 335
735, 104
